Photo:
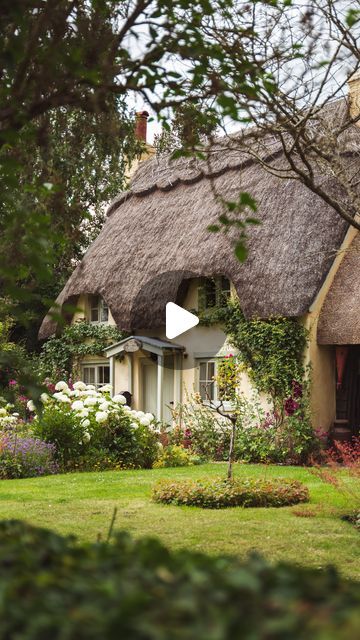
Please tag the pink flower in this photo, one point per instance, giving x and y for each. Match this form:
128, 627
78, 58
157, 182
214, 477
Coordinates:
12, 383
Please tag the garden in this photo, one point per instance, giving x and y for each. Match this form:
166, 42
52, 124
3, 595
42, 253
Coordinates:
217, 492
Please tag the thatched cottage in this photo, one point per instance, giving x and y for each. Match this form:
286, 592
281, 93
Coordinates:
304, 262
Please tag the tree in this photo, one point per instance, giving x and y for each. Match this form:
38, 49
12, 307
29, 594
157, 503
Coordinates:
305, 55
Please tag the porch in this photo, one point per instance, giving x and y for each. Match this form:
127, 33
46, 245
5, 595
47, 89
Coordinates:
151, 370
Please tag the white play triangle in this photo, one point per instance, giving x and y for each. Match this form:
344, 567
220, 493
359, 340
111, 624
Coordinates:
178, 320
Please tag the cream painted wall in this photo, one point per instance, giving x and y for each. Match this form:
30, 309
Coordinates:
200, 342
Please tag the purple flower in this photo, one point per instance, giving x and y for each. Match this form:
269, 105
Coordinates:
290, 406
297, 389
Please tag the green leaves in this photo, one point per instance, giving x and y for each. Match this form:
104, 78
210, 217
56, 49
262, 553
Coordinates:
241, 251
271, 350
237, 220
352, 17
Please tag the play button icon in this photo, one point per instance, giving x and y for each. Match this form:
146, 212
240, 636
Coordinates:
178, 320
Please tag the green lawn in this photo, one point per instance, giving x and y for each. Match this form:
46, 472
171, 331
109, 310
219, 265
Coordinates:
83, 504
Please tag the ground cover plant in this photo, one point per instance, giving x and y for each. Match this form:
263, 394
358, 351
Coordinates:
54, 587
83, 503
220, 493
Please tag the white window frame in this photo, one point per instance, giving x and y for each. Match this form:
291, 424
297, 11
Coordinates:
96, 366
226, 404
207, 361
101, 307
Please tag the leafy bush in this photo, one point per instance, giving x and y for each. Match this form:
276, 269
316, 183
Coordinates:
53, 587
62, 429
205, 433
25, 457
176, 456
215, 494
60, 355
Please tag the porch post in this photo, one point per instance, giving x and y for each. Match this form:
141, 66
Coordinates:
178, 378
112, 374
160, 385
130, 373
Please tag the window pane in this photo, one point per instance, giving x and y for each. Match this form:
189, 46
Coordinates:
94, 314
104, 312
203, 391
211, 370
210, 293
225, 287
203, 371
89, 375
103, 374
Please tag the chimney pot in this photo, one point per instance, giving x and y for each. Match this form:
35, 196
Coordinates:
141, 125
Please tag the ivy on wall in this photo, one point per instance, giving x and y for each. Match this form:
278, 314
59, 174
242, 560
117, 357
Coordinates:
272, 350
61, 355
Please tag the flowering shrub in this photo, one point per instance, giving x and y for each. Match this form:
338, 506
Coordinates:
25, 457
274, 437
176, 456
79, 419
224, 493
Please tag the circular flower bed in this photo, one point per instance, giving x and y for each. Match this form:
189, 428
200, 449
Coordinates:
219, 493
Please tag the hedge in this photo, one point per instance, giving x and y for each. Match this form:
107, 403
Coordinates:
54, 587
220, 493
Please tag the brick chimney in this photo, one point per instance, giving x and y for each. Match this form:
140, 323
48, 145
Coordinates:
141, 125
354, 96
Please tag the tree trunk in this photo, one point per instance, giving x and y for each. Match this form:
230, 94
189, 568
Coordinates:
231, 449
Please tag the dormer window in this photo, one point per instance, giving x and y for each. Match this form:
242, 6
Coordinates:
214, 292
98, 310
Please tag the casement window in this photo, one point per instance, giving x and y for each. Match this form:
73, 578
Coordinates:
207, 387
96, 374
214, 292
98, 310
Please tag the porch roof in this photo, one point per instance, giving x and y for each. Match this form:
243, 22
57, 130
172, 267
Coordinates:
154, 345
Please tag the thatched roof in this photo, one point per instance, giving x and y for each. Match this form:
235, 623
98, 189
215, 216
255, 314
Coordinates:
339, 321
156, 235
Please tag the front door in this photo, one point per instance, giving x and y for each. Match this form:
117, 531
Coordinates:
148, 385
348, 396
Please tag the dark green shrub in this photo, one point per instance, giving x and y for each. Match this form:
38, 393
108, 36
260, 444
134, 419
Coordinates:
216, 494
53, 587
64, 430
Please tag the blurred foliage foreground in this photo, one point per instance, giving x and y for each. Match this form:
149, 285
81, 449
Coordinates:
54, 587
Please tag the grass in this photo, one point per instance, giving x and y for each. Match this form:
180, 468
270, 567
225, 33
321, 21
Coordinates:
311, 534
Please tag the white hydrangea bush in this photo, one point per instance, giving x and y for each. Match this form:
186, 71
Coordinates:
92, 407
7, 417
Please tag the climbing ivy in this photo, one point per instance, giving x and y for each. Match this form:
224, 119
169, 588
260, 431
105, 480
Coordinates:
271, 350
60, 356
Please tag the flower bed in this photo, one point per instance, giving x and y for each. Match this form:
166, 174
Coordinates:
224, 493
25, 457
